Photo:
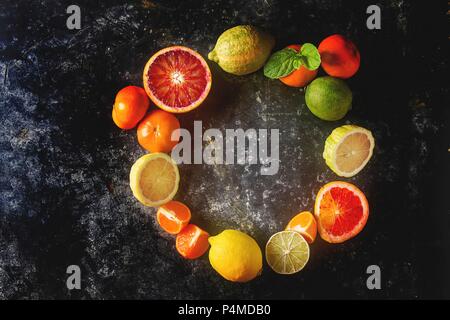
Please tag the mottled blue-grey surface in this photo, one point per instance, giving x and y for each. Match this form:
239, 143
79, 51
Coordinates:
64, 165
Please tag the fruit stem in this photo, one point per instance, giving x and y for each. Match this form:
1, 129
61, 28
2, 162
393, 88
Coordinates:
212, 56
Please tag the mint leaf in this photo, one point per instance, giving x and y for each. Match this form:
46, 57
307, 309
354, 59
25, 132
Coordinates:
281, 63
297, 62
310, 56
284, 62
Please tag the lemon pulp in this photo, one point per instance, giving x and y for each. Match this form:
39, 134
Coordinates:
154, 179
348, 149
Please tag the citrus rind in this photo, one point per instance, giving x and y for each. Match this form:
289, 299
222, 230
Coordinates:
336, 139
136, 177
287, 252
324, 234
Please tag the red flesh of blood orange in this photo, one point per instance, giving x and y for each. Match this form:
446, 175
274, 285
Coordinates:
177, 79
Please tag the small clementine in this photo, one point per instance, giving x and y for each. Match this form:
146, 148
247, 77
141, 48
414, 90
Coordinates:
130, 106
155, 131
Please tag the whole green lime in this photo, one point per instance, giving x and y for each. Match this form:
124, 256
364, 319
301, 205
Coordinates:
328, 98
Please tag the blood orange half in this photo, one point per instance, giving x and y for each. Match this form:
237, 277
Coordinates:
177, 79
341, 210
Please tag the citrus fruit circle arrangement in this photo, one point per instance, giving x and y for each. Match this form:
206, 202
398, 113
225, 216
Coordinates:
177, 80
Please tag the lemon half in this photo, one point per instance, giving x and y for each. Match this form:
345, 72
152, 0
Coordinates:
348, 149
154, 179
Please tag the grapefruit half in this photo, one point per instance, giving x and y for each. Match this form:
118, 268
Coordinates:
341, 210
177, 79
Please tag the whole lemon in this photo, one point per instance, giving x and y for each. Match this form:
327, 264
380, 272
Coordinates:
242, 49
235, 256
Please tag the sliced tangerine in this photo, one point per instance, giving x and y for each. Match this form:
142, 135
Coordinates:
173, 216
192, 242
177, 79
305, 224
341, 210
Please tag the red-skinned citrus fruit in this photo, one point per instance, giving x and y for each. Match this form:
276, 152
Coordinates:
192, 242
341, 210
301, 76
130, 106
155, 131
177, 79
173, 216
340, 57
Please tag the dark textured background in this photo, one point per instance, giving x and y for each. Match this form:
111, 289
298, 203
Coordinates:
64, 194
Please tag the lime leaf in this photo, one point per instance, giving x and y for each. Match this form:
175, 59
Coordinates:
281, 63
310, 56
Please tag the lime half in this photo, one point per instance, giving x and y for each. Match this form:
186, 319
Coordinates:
348, 149
287, 252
